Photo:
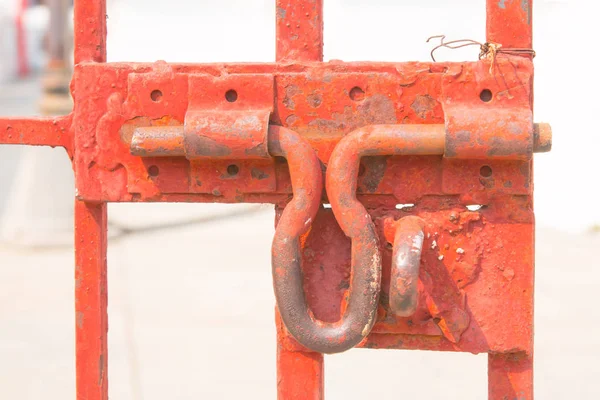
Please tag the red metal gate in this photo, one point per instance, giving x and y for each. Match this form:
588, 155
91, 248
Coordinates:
428, 242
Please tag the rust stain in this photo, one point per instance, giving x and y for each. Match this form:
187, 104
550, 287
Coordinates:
373, 110
281, 12
100, 369
207, 146
258, 174
423, 105
126, 130
291, 120
79, 317
315, 99
502, 3
375, 168
526, 7
290, 92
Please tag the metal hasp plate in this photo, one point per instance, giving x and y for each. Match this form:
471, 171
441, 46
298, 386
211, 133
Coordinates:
428, 243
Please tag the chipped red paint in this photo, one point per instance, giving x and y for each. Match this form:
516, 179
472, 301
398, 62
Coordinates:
509, 23
300, 373
48, 131
299, 30
435, 137
91, 301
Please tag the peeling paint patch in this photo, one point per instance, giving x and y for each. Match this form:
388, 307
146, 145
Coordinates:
423, 105
291, 119
374, 110
290, 92
525, 6
315, 100
258, 174
375, 171
100, 369
79, 319
281, 12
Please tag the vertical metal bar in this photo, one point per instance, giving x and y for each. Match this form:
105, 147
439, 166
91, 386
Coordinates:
299, 38
90, 236
510, 376
90, 31
91, 298
299, 373
509, 23
306, 382
299, 30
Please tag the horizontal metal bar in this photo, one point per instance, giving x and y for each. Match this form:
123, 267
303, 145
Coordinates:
50, 131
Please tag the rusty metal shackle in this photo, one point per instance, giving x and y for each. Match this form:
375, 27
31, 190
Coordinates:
406, 261
359, 316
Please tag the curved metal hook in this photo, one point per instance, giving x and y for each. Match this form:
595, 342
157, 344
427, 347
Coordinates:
307, 183
360, 313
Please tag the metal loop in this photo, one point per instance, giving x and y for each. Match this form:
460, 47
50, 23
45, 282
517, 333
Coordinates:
323, 337
406, 260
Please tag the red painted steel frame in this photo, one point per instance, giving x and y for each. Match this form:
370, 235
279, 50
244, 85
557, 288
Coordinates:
475, 289
300, 373
91, 300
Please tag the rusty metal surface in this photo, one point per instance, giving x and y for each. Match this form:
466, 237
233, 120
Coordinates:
447, 144
295, 220
235, 135
91, 300
102, 129
299, 30
483, 133
542, 138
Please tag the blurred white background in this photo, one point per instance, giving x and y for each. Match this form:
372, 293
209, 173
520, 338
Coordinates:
175, 333
384, 30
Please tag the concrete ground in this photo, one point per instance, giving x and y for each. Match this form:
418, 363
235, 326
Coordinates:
191, 306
